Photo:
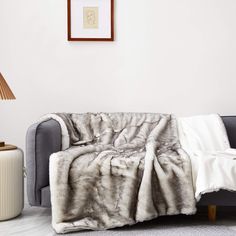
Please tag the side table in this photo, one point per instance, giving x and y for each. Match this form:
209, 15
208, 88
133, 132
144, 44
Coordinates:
11, 183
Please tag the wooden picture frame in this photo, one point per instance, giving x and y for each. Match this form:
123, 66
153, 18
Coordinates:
88, 30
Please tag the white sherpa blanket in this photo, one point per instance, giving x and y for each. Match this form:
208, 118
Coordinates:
119, 169
205, 139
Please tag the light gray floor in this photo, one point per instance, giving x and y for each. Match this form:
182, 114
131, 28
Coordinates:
36, 222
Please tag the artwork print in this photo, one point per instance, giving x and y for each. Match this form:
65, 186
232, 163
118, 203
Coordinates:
90, 17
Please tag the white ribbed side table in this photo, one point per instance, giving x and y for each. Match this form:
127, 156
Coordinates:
11, 183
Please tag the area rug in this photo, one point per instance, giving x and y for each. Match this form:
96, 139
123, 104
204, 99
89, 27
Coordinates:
176, 226
37, 222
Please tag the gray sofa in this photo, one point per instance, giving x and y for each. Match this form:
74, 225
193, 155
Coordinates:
43, 139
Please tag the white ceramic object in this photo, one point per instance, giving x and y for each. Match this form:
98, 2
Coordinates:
11, 183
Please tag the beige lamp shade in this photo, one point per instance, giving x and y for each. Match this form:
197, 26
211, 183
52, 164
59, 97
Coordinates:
5, 91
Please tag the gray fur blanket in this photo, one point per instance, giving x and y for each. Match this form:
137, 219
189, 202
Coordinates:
120, 169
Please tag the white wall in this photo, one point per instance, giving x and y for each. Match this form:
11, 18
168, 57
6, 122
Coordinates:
169, 56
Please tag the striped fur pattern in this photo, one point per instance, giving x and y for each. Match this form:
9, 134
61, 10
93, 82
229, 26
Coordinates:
120, 169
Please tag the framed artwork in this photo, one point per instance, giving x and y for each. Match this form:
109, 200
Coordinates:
90, 20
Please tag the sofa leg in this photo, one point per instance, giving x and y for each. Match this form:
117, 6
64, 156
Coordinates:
212, 212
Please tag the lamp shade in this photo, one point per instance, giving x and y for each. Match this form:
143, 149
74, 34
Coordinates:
5, 91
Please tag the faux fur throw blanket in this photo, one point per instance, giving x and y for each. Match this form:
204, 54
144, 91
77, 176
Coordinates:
120, 168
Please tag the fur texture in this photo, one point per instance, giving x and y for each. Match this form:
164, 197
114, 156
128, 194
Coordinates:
121, 168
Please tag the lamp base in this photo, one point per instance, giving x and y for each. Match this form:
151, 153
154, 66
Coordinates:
5, 147
2, 144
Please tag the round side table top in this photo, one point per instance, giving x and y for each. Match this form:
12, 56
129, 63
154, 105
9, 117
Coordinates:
7, 147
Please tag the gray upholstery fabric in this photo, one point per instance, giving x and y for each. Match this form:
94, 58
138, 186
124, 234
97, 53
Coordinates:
230, 125
45, 197
221, 198
45, 138
42, 139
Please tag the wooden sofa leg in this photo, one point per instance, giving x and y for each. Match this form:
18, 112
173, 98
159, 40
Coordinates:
212, 212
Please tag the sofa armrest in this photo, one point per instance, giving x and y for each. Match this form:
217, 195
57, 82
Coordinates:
42, 140
230, 125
